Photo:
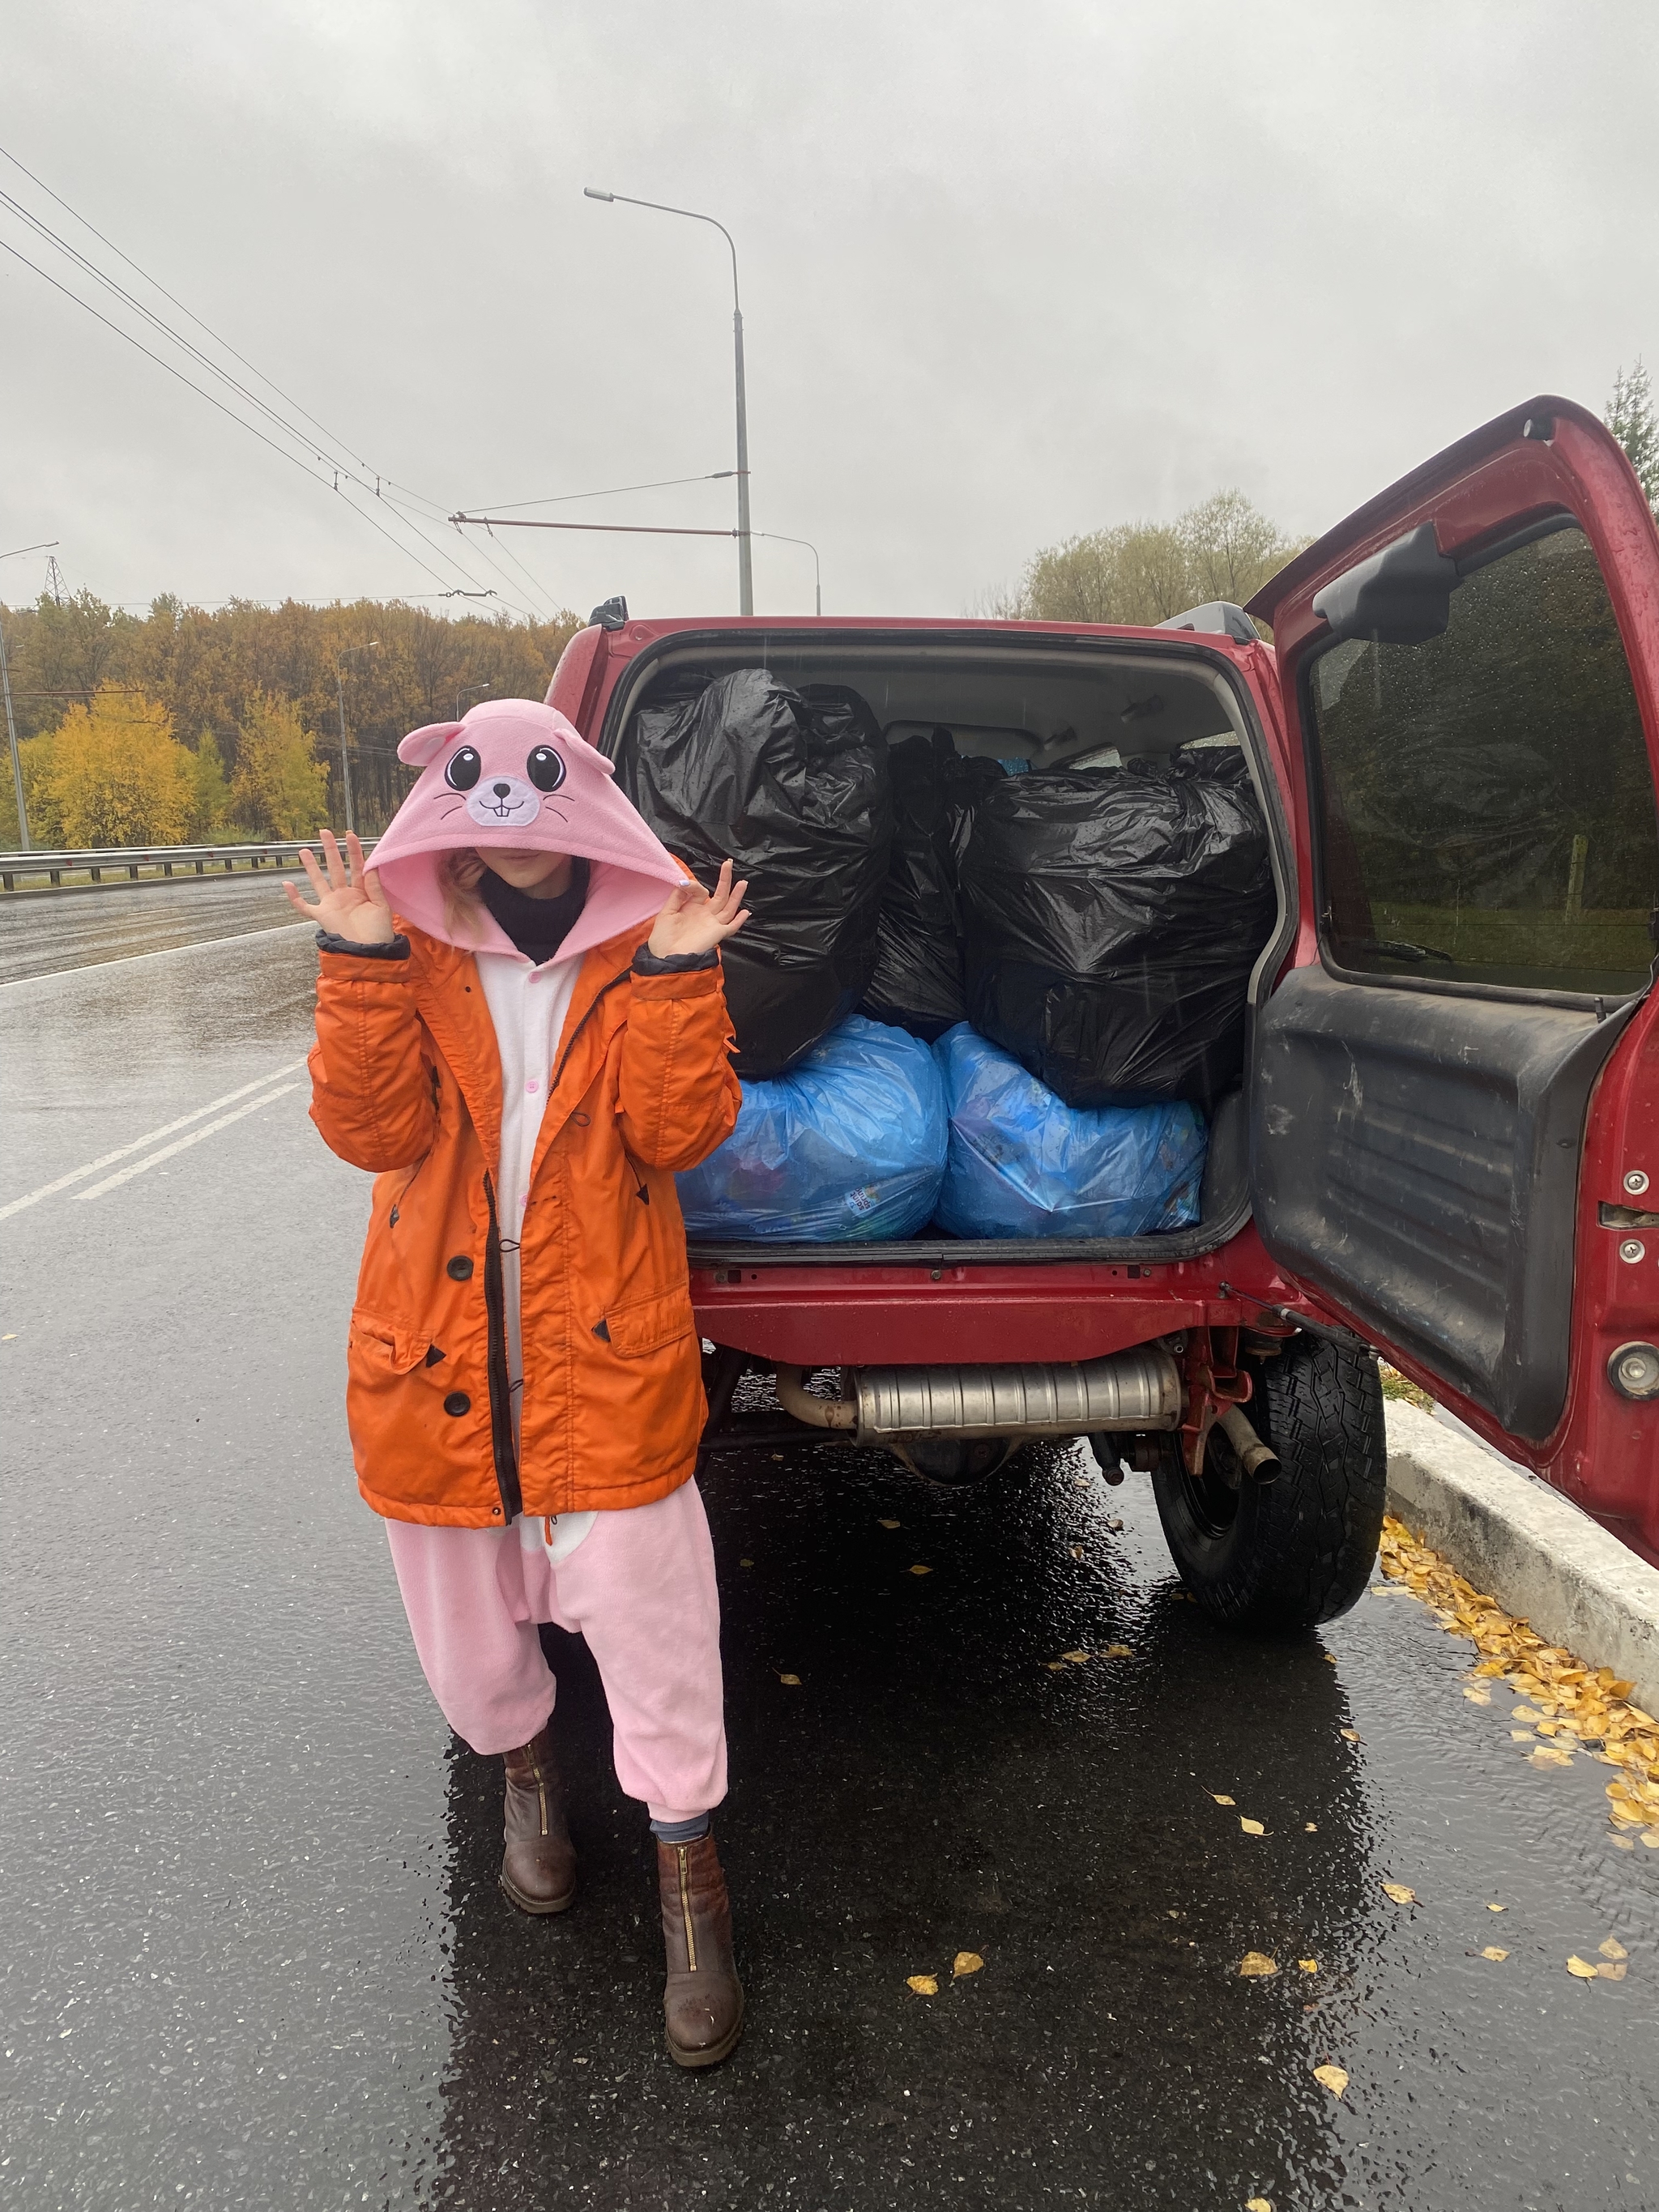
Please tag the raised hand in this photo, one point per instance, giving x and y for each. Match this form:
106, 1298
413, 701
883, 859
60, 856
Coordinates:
350, 900
694, 920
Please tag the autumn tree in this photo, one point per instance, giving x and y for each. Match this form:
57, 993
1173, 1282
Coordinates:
1630, 418
110, 773
1144, 572
280, 788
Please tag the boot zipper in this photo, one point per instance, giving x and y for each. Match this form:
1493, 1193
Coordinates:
685, 1909
541, 1787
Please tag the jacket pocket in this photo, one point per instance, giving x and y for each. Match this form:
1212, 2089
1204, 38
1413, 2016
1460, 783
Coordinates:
646, 1325
377, 1343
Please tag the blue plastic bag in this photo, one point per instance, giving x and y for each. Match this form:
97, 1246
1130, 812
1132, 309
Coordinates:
847, 1146
1023, 1163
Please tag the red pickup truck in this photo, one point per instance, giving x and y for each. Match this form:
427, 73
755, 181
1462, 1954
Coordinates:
1446, 1142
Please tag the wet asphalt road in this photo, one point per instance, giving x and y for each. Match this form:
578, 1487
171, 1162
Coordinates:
252, 1951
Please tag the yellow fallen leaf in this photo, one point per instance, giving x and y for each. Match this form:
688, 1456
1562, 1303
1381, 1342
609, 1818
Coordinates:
919, 1570
1620, 1690
1400, 1894
1492, 1951
1612, 1948
1351, 1736
1330, 1658
1220, 1800
790, 1681
1478, 1697
1652, 1840
1310, 1827
1258, 2204
1257, 1966
1333, 2077
1526, 1713
1055, 1666
925, 1985
1521, 1735
965, 1962
1498, 1908
1077, 1658
1308, 1965
1117, 1651
1251, 1828
1612, 1973
1548, 1755
1077, 1550
1581, 1968
745, 1563
887, 1524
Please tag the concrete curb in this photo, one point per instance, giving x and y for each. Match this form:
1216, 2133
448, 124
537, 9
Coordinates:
1524, 1545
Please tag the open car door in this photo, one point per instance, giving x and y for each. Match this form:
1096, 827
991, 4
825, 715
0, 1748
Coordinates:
1455, 1100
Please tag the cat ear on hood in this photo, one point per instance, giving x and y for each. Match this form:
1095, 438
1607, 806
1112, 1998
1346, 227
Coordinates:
422, 746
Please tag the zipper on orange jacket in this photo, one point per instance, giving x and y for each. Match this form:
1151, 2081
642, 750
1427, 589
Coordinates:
500, 1381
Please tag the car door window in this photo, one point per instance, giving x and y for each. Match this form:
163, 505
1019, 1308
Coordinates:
1483, 797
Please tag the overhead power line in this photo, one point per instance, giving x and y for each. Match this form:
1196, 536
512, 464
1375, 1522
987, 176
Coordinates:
346, 478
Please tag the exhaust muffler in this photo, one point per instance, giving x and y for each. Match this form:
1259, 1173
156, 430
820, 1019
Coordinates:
1137, 1390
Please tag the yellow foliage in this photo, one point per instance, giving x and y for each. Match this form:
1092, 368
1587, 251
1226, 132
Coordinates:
280, 788
112, 773
1589, 1705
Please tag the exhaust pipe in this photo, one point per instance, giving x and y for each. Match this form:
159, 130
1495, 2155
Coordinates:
1254, 1456
1136, 1390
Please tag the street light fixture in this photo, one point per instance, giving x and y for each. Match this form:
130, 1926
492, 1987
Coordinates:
345, 653
23, 845
777, 537
468, 690
745, 572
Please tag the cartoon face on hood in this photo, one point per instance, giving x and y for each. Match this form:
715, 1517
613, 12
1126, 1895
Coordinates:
516, 775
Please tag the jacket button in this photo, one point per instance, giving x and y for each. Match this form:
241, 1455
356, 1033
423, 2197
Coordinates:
459, 1269
458, 1402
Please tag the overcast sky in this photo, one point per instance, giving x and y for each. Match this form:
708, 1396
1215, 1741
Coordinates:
1008, 273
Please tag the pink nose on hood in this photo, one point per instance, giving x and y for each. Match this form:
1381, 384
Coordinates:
515, 774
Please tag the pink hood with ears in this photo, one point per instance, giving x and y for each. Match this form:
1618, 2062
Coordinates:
516, 775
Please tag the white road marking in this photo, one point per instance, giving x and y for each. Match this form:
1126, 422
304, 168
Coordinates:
160, 953
181, 1144
122, 1151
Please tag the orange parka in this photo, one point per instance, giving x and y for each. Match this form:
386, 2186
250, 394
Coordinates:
406, 1082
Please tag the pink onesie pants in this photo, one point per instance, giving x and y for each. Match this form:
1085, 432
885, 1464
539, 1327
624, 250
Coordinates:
640, 1587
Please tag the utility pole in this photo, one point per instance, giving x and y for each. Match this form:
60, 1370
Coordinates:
746, 570
345, 757
23, 845
11, 738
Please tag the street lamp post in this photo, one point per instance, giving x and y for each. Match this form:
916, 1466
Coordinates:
23, 845
777, 537
345, 757
745, 571
471, 690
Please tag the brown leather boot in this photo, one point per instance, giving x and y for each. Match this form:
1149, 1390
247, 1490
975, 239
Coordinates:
702, 1999
539, 1867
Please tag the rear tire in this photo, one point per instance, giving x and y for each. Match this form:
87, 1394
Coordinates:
1298, 1550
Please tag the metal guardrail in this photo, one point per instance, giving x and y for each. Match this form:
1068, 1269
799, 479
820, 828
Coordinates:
129, 860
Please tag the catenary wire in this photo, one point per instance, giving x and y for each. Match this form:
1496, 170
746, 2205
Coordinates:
341, 468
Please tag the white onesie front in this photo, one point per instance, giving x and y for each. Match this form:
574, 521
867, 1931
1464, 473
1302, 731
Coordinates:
528, 1005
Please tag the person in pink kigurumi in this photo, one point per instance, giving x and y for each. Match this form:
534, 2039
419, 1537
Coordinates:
521, 1029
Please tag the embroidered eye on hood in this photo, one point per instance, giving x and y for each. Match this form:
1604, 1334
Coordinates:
516, 775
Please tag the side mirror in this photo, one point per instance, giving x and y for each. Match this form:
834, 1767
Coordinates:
611, 615
1401, 596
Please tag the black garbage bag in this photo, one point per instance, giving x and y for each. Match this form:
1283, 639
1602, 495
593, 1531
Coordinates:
1113, 918
793, 788
919, 982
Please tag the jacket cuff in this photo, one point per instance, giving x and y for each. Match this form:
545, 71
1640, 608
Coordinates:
328, 942
648, 963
